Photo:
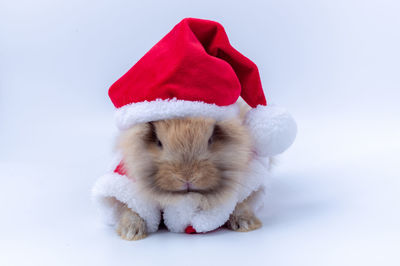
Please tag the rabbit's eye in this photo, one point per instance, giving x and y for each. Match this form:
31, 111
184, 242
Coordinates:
217, 135
159, 144
151, 137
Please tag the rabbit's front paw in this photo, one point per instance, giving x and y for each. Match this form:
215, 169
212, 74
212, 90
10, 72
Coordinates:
131, 226
243, 223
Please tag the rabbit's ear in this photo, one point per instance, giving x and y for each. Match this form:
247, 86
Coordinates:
244, 108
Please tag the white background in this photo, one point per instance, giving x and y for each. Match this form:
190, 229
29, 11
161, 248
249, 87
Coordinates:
334, 64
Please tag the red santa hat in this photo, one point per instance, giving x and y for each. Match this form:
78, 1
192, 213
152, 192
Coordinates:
194, 71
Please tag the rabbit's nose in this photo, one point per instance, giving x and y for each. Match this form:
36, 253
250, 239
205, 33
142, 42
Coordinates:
188, 186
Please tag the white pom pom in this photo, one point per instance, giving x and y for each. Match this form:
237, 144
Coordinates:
273, 129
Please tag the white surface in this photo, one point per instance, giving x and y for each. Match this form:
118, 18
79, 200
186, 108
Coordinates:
334, 64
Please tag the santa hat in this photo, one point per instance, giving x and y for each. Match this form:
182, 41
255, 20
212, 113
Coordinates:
194, 71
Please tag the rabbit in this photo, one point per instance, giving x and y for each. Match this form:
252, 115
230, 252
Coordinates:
171, 158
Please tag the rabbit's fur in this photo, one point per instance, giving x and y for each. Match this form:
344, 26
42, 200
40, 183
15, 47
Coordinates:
171, 158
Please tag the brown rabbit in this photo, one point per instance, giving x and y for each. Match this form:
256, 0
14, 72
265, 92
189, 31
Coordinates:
170, 158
